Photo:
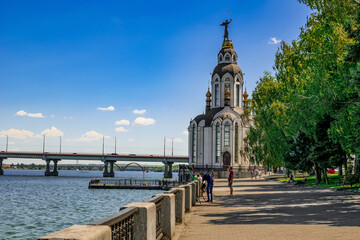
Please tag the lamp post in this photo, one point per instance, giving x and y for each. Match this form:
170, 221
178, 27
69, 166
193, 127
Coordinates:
44, 144
115, 144
164, 145
7, 142
60, 144
172, 147
103, 145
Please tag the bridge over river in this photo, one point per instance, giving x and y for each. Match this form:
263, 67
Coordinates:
108, 159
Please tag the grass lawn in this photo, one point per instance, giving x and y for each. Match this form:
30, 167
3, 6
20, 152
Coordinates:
334, 179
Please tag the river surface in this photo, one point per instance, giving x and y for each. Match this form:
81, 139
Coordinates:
32, 205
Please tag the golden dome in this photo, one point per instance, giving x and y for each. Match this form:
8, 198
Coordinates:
227, 44
227, 93
208, 94
246, 95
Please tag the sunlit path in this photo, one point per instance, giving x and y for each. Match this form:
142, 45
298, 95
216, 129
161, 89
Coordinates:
263, 209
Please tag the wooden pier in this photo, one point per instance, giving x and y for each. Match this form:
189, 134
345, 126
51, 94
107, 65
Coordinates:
132, 183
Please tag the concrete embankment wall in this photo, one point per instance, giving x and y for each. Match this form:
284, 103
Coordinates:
152, 220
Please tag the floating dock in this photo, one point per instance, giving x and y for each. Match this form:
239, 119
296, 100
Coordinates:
132, 183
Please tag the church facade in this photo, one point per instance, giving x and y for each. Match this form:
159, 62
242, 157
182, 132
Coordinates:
216, 137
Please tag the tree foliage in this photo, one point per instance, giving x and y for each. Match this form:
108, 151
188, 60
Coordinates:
307, 114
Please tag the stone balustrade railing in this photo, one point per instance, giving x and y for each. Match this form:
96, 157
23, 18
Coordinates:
152, 220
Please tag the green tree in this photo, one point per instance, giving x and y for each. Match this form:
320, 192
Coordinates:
313, 94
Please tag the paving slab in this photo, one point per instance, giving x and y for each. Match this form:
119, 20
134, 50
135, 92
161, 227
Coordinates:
262, 209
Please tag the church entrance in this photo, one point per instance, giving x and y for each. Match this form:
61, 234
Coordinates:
226, 159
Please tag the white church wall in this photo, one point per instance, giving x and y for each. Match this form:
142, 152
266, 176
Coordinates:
215, 80
223, 146
191, 159
208, 143
238, 162
189, 145
217, 121
200, 157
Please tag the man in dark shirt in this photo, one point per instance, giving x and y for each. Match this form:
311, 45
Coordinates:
230, 180
209, 186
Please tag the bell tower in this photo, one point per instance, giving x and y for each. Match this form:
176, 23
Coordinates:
227, 77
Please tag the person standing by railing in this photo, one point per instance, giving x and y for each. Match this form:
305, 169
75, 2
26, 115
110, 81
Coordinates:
209, 186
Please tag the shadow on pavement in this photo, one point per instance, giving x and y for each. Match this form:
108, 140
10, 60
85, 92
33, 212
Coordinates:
278, 203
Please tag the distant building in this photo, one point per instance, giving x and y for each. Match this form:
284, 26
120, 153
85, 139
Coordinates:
216, 138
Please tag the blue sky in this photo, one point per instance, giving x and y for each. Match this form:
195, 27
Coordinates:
63, 61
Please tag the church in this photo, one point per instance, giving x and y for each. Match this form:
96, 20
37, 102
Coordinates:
216, 137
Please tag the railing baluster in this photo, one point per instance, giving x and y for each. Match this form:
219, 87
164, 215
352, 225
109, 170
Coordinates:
121, 224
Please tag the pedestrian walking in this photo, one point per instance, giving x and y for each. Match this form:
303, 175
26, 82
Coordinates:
231, 180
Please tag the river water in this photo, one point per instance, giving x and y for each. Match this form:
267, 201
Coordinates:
32, 205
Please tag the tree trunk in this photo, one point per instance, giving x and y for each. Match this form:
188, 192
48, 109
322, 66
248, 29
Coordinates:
341, 170
345, 166
318, 173
326, 180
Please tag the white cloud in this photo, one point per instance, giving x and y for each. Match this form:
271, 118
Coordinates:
185, 133
22, 113
140, 121
15, 133
131, 140
136, 111
273, 40
110, 108
53, 132
122, 122
89, 137
121, 129
35, 115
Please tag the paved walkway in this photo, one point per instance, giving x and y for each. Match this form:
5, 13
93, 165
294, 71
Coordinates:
263, 209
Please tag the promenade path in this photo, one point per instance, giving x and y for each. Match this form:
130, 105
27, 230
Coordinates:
263, 209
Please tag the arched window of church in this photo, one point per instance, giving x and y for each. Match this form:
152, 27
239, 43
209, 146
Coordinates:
217, 142
237, 95
227, 135
217, 95
234, 58
236, 142
194, 144
220, 58
227, 57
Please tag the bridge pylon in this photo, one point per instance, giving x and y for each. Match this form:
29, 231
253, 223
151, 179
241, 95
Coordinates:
108, 173
1, 170
168, 168
54, 172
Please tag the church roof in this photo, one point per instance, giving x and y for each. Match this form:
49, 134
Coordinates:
223, 68
209, 116
229, 115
